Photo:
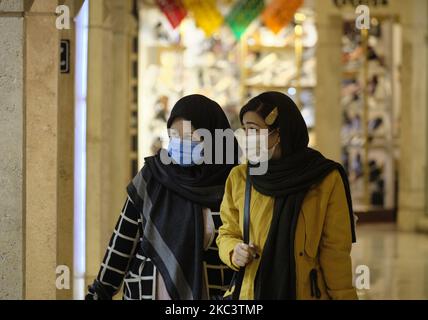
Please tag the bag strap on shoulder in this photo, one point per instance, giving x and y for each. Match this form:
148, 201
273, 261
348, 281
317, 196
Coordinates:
241, 272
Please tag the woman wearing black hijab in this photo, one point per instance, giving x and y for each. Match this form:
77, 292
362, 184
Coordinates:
301, 219
163, 246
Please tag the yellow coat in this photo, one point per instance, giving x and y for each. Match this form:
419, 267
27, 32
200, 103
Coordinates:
323, 236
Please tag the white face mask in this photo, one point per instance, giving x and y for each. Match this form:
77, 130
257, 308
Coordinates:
256, 147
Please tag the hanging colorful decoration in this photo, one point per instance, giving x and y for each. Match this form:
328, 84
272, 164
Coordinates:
206, 15
280, 13
242, 14
173, 10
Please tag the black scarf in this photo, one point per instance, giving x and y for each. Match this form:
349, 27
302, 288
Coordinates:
287, 180
171, 199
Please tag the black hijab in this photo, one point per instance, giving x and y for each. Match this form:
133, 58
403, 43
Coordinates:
171, 199
287, 180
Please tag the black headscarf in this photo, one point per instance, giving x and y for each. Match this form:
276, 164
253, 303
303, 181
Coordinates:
171, 199
287, 180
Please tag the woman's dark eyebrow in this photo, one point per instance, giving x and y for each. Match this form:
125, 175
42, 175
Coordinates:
249, 122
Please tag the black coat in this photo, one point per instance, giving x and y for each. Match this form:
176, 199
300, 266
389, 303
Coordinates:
124, 262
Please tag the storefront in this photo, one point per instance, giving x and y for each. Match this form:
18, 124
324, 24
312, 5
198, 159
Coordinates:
347, 81
225, 61
377, 91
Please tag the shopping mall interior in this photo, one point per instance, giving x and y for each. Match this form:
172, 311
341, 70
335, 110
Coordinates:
86, 87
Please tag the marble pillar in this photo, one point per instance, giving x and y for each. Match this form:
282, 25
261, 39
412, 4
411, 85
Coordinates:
122, 24
28, 116
66, 125
414, 135
99, 101
328, 112
12, 135
41, 149
108, 142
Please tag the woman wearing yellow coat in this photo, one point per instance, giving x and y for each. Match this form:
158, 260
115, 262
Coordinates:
301, 219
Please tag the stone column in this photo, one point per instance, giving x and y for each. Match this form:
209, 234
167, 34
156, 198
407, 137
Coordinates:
66, 114
108, 143
99, 102
41, 148
36, 132
426, 172
328, 112
413, 150
29, 130
12, 135
36, 119
122, 24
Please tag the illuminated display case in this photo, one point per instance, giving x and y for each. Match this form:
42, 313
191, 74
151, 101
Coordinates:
371, 111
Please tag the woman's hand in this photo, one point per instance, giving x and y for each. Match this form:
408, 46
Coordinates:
243, 254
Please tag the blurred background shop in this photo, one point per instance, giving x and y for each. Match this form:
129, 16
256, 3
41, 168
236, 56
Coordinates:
82, 104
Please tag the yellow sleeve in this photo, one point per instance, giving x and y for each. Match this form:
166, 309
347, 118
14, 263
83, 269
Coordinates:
229, 233
336, 244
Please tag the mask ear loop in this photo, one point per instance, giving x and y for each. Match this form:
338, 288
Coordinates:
272, 149
279, 140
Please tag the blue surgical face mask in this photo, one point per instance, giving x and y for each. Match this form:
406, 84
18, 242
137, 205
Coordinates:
185, 153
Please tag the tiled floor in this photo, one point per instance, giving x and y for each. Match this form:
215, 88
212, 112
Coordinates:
397, 261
